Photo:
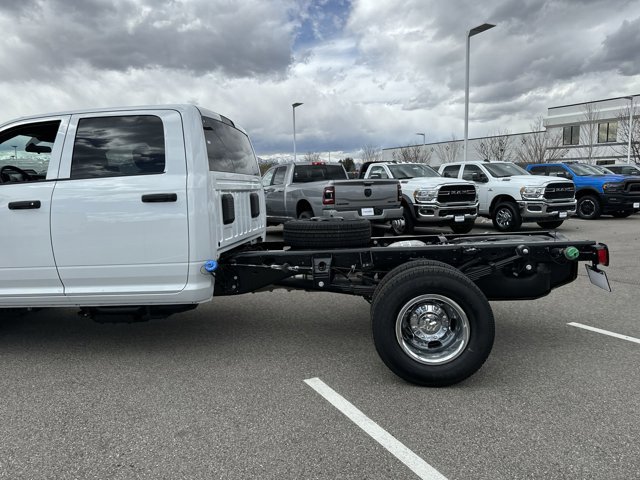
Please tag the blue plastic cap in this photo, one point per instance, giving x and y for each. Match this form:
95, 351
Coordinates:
211, 266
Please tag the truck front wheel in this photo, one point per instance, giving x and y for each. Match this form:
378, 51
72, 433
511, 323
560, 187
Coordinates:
405, 225
588, 207
506, 217
432, 325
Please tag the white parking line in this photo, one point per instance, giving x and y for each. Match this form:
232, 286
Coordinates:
402, 453
605, 332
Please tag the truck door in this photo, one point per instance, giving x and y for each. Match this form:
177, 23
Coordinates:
29, 160
119, 211
473, 173
274, 194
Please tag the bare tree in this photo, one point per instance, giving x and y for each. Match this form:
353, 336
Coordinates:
623, 134
448, 152
496, 147
540, 146
371, 153
413, 154
311, 157
589, 130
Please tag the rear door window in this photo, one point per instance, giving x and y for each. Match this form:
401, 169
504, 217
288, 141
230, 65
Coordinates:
539, 170
451, 171
118, 146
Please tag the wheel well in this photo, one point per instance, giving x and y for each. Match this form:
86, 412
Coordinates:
586, 191
406, 202
303, 206
499, 199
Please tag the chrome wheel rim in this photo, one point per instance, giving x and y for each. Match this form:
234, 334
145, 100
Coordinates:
432, 329
504, 217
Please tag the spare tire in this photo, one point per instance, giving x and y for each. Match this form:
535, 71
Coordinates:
327, 232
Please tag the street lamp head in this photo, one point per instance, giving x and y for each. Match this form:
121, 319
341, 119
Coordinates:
297, 104
480, 28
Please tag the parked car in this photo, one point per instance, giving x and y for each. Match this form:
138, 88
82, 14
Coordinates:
315, 189
597, 193
428, 200
625, 169
509, 195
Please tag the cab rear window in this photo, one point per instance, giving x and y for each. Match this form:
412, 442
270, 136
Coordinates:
228, 149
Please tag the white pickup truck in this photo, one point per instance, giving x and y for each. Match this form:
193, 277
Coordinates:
509, 195
141, 212
428, 199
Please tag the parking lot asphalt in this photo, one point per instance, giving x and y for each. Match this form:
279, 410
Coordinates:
219, 392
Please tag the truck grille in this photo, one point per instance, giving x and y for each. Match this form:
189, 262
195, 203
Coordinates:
559, 191
633, 187
456, 193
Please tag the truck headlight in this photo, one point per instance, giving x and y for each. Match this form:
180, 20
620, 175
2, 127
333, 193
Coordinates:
425, 195
532, 193
613, 187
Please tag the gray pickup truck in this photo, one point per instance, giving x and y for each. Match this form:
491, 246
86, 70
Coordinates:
305, 190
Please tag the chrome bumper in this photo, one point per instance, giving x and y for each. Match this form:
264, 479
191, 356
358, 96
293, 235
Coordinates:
542, 209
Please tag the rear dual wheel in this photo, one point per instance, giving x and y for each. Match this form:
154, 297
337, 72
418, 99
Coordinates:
431, 324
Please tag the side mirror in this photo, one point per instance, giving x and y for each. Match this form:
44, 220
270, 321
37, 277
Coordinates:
565, 174
479, 177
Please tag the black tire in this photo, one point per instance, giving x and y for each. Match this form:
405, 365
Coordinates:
422, 262
327, 232
405, 225
461, 228
588, 207
466, 327
506, 217
622, 214
551, 224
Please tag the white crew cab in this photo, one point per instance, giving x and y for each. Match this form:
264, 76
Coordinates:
121, 206
509, 195
428, 199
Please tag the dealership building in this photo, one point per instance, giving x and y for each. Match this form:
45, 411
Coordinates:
594, 132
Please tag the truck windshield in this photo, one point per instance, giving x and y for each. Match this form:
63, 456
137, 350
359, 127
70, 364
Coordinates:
318, 173
499, 170
412, 170
582, 169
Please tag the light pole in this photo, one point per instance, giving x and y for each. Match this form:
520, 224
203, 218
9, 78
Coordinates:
294, 105
470, 33
630, 128
423, 138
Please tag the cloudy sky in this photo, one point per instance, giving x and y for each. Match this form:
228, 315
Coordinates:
369, 72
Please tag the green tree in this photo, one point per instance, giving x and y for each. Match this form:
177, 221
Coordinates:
348, 164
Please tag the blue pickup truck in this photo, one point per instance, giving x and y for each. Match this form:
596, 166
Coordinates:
597, 193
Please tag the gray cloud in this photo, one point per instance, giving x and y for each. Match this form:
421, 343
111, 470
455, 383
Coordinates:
620, 50
236, 38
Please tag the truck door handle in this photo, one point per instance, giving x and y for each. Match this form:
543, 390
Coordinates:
159, 197
26, 205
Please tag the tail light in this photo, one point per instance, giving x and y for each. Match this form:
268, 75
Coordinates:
399, 193
329, 196
602, 252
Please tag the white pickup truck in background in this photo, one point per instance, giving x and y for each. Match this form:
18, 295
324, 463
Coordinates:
509, 195
428, 200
